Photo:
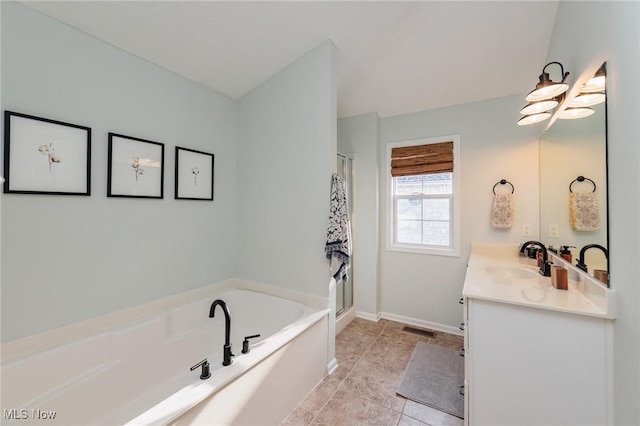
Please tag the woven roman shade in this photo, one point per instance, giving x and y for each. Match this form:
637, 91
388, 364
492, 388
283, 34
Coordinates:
422, 159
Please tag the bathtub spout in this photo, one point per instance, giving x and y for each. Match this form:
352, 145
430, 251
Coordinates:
226, 359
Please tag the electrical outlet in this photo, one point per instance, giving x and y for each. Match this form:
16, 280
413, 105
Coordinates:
526, 229
554, 231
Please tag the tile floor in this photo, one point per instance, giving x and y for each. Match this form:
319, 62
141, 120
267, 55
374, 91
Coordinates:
362, 391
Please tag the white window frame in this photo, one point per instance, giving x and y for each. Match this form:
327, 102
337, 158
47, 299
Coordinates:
391, 245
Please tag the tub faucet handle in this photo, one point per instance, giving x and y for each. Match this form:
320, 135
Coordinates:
245, 343
206, 373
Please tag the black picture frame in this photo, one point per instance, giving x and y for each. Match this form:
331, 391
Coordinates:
194, 174
135, 167
44, 156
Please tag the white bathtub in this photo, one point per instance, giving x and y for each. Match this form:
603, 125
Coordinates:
136, 369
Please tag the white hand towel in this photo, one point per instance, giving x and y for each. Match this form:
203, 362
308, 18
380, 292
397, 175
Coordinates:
583, 211
502, 211
338, 245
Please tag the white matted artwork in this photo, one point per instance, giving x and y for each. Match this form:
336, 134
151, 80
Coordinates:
194, 174
136, 167
43, 156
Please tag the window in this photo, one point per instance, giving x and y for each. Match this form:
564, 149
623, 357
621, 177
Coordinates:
423, 210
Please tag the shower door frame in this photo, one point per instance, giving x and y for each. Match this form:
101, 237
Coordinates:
348, 173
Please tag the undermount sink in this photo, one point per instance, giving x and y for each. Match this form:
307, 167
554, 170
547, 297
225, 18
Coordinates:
511, 272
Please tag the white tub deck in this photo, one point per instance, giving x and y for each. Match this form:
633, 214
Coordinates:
133, 365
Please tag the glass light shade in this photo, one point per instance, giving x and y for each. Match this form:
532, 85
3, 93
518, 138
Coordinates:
547, 91
535, 118
541, 106
595, 84
572, 113
587, 99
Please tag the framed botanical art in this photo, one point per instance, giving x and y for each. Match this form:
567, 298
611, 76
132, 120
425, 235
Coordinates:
43, 156
135, 167
194, 175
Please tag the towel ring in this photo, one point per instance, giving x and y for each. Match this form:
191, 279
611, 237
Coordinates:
503, 182
582, 179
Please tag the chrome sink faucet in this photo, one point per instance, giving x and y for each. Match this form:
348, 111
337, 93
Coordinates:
545, 266
226, 359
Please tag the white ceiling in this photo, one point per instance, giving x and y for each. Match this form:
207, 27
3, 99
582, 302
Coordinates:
393, 57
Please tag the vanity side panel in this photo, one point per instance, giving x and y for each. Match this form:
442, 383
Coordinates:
467, 361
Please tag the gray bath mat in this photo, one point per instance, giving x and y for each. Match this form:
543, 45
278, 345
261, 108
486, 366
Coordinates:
433, 377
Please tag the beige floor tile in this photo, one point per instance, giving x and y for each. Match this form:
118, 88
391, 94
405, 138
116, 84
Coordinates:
430, 416
338, 376
448, 341
346, 362
398, 337
347, 409
367, 326
383, 350
371, 359
377, 382
388, 366
352, 340
347, 347
393, 325
308, 409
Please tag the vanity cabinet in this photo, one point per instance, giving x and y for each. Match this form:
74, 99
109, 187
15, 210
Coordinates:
527, 366
535, 355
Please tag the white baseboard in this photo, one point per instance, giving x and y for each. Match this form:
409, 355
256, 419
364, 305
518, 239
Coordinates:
368, 316
410, 321
331, 367
421, 323
344, 319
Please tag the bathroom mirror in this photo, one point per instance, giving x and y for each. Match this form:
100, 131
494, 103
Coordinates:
568, 150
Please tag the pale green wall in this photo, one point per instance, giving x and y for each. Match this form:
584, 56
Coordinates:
286, 154
66, 259
492, 147
359, 136
424, 287
69, 258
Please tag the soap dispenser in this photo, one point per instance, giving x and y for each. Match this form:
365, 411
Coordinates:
565, 253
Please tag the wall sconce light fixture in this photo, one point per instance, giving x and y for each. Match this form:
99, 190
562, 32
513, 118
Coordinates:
591, 93
597, 82
540, 106
571, 113
547, 88
547, 95
534, 118
586, 99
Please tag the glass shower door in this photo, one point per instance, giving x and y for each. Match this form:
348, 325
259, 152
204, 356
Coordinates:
344, 290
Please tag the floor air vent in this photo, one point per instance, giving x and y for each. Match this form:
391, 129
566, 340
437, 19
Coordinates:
419, 331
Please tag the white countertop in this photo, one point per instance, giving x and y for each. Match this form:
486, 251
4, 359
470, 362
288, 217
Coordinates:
496, 272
